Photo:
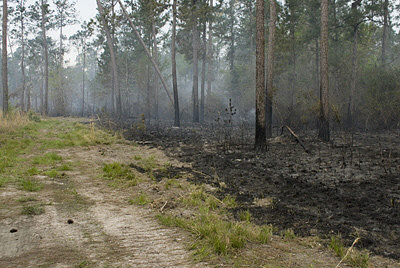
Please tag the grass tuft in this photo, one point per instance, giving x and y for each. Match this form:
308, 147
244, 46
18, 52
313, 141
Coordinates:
32, 210
141, 200
119, 173
30, 185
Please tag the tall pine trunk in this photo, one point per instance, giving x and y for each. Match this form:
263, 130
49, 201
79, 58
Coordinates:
4, 60
155, 80
83, 80
45, 109
195, 39
270, 68
324, 133
203, 72
209, 59
260, 137
23, 89
174, 76
385, 30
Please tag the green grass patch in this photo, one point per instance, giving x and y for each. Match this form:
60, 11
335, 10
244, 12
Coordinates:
119, 173
30, 185
142, 199
64, 167
32, 210
215, 234
245, 216
47, 159
33, 171
52, 173
3, 181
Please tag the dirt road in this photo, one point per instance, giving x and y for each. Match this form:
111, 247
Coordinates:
106, 231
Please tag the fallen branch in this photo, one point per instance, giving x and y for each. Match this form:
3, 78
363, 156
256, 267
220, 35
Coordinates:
347, 252
162, 208
296, 137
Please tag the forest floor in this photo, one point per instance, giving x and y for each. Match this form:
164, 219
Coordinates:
72, 195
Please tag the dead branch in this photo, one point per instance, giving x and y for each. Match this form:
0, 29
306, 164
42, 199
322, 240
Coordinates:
347, 252
296, 137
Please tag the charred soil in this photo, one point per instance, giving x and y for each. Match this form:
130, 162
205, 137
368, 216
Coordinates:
349, 187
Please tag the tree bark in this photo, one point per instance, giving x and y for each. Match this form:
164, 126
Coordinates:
195, 64
203, 72
385, 29
209, 60
146, 50
270, 67
113, 58
155, 80
174, 76
45, 109
83, 79
324, 132
22, 100
4, 60
317, 69
260, 137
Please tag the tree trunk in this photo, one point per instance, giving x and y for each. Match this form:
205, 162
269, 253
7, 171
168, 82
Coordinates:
28, 96
209, 60
4, 60
155, 80
83, 80
203, 72
232, 52
22, 100
270, 68
292, 79
45, 109
385, 29
195, 64
324, 89
174, 77
260, 137
317, 70
113, 58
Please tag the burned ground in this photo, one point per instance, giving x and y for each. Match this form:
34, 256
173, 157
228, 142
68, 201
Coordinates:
348, 187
